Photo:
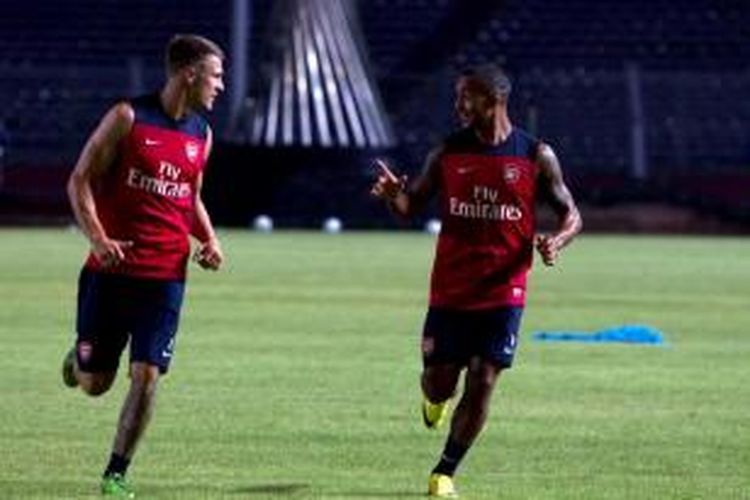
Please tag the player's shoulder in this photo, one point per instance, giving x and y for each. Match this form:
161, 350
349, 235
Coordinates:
145, 100
201, 126
519, 143
524, 136
148, 110
195, 124
525, 143
120, 116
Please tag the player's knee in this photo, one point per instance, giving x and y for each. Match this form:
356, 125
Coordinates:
438, 393
144, 376
94, 390
438, 386
481, 376
96, 385
482, 382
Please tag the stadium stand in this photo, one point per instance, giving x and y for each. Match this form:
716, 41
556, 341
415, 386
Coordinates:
570, 61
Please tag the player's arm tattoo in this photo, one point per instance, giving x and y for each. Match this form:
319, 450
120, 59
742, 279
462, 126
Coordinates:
556, 193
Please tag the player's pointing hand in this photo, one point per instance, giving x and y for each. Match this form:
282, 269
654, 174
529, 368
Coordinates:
387, 185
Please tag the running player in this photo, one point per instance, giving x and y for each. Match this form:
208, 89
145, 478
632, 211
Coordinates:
487, 177
135, 193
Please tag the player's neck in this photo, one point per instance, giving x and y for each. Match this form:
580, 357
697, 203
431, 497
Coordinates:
174, 100
496, 131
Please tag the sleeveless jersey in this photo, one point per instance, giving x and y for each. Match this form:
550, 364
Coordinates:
487, 205
148, 197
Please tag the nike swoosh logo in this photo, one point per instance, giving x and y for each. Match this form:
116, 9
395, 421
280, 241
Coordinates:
151, 142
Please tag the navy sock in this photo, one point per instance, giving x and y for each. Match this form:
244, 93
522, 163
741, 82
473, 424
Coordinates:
452, 455
117, 465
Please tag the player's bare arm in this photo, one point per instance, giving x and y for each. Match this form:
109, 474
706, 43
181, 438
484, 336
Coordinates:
209, 254
96, 159
402, 197
557, 194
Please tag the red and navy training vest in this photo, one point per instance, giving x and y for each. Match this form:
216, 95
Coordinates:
487, 205
149, 195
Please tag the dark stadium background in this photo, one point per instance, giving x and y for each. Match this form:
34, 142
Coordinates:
646, 102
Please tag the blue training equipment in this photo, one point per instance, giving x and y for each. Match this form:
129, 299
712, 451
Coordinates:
626, 334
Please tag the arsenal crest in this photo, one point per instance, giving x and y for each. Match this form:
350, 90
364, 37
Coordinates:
191, 151
511, 174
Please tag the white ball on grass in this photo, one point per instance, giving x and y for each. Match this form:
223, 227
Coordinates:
433, 226
263, 224
332, 225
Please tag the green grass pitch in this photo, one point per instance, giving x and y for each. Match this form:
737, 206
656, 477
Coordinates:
296, 371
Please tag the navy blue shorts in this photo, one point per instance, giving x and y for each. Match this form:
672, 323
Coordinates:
113, 309
455, 336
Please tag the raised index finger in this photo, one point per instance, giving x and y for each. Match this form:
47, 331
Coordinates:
385, 170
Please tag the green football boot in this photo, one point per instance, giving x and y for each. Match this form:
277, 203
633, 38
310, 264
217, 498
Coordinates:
116, 486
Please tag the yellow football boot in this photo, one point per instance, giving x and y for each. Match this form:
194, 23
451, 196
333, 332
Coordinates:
441, 486
433, 414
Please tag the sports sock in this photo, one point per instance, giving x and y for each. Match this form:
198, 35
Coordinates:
452, 455
117, 465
